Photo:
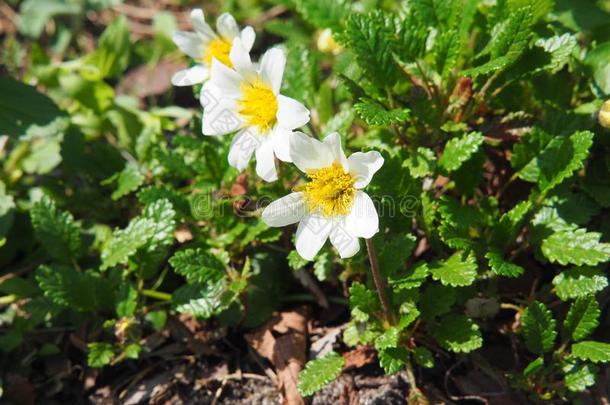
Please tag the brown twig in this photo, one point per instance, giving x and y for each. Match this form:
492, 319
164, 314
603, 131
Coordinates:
378, 279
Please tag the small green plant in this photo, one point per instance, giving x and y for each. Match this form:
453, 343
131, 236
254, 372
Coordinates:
460, 139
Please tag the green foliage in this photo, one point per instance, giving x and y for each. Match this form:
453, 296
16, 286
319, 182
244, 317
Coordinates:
459, 150
319, 372
597, 352
325, 13
458, 333
99, 354
458, 270
579, 282
582, 319
538, 328
197, 266
56, 230
374, 113
577, 247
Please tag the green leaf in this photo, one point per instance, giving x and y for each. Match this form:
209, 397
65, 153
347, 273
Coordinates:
389, 338
423, 357
127, 300
362, 301
394, 251
560, 47
458, 333
99, 354
55, 229
16, 112
128, 180
411, 278
111, 56
577, 247
597, 62
202, 300
421, 162
458, 270
374, 113
510, 39
371, 37
459, 150
320, 372
431, 306
295, 261
323, 266
501, 267
533, 367
560, 158
198, 266
324, 13
579, 282
593, 351
446, 51
299, 73
434, 12
538, 326
582, 319
34, 15
393, 359
578, 377
80, 291
162, 214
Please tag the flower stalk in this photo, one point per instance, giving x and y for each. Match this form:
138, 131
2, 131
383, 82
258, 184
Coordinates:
379, 281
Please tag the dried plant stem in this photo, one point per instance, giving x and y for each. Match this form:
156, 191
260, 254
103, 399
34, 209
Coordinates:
379, 282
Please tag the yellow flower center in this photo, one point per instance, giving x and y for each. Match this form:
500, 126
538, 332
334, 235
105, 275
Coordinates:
330, 191
259, 105
219, 49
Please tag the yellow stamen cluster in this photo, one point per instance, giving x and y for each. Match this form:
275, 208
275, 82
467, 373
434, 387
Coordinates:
218, 48
259, 105
330, 191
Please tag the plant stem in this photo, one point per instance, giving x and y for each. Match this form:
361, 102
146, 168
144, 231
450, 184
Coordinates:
379, 282
157, 294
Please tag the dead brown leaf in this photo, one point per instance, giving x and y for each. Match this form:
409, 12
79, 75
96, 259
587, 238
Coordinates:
359, 357
283, 342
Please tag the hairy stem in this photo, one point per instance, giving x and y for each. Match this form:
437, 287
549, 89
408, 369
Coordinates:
378, 279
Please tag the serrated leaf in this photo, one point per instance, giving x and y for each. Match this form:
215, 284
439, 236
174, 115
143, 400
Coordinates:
578, 377
431, 306
501, 267
413, 277
362, 301
446, 51
423, 357
434, 12
538, 326
295, 261
81, 291
197, 266
320, 372
533, 367
421, 162
374, 113
560, 47
582, 319
597, 352
99, 354
55, 229
459, 150
202, 300
128, 180
299, 73
459, 224
458, 333
389, 338
579, 282
127, 300
323, 266
560, 158
371, 38
324, 13
394, 251
458, 270
393, 359
577, 247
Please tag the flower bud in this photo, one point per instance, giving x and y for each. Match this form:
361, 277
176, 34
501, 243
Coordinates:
327, 44
604, 115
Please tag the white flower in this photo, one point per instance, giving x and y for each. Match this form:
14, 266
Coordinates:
247, 100
332, 204
204, 45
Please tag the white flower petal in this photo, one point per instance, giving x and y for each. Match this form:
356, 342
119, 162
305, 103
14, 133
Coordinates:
311, 235
272, 68
200, 26
287, 210
346, 244
242, 147
290, 113
333, 142
188, 77
281, 143
240, 58
247, 38
363, 166
220, 114
190, 43
308, 153
265, 161
225, 79
363, 220
227, 27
